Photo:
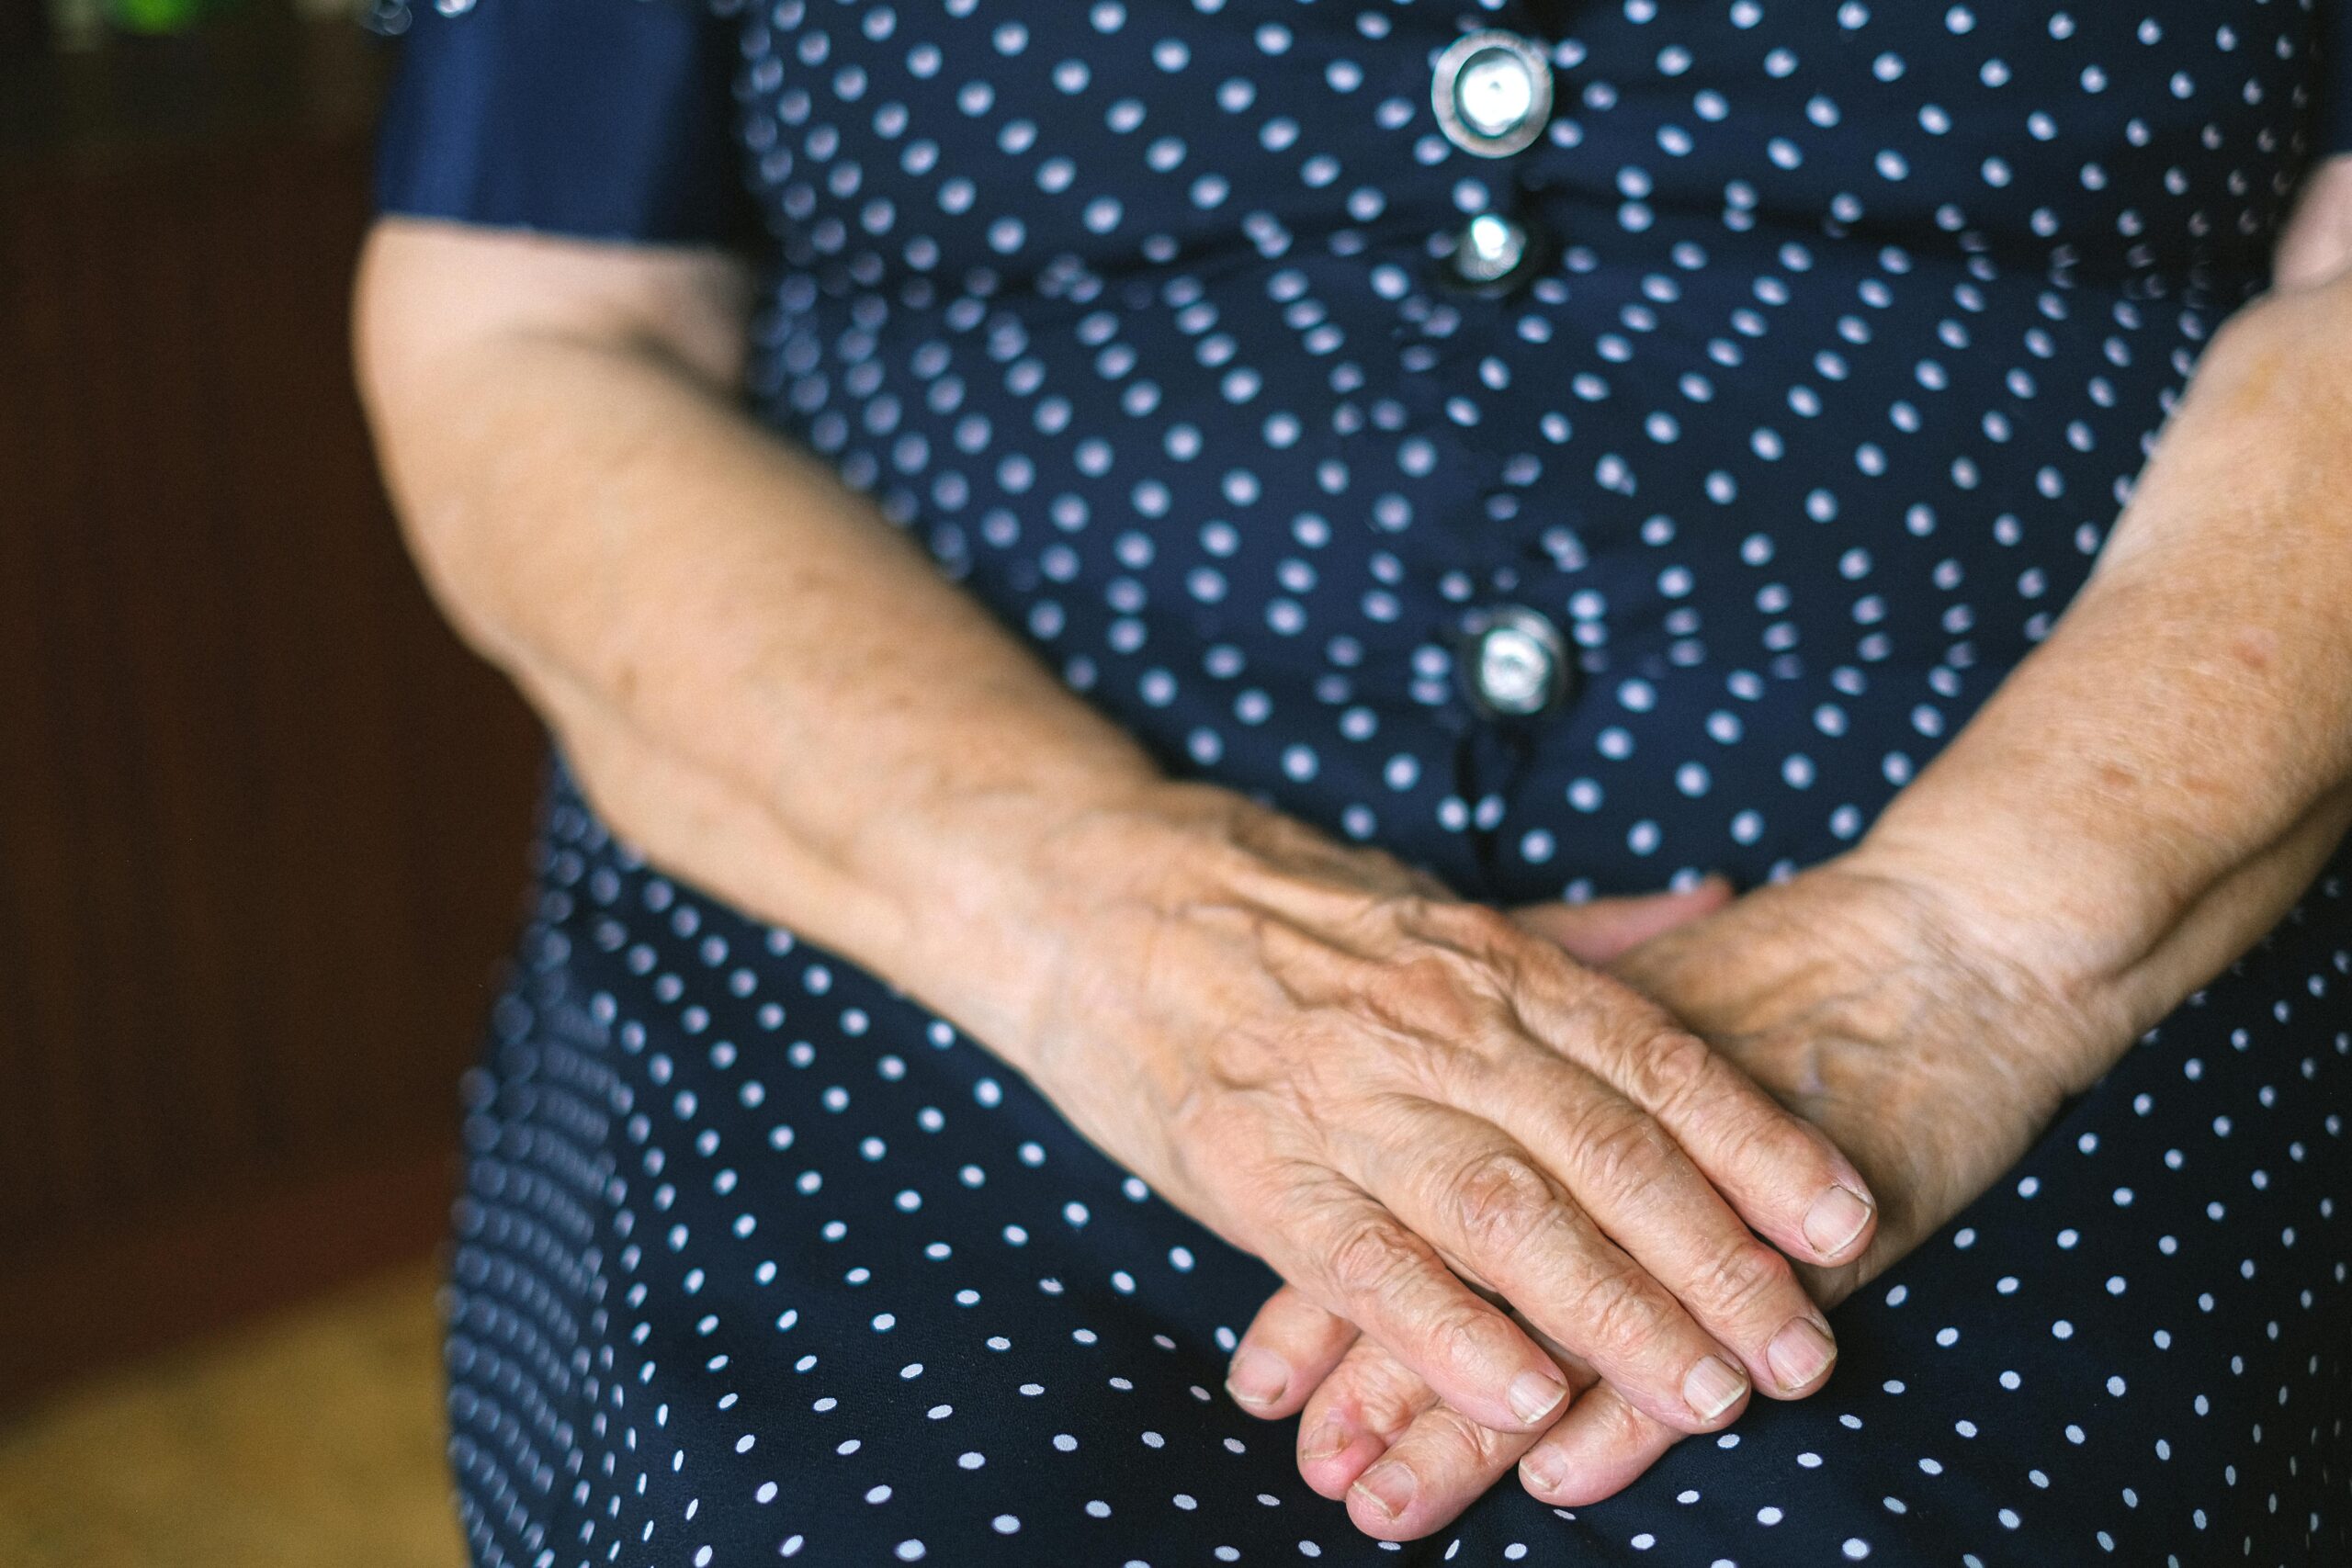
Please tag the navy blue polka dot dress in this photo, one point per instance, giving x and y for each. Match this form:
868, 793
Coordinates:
1576, 447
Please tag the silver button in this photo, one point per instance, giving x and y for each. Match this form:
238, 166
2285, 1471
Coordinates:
1492, 91
1490, 251
1515, 664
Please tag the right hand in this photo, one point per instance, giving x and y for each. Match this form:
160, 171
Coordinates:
1393, 1096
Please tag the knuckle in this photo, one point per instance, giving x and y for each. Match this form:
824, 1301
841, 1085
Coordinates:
1461, 1334
1367, 1257
1745, 1279
1458, 956
1464, 1449
1627, 1151
1487, 932
1621, 1314
1297, 1198
1763, 1139
1500, 1202
1427, 991
1387, 1399
1466, 927
1671, 1069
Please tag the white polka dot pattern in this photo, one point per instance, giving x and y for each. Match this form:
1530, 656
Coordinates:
757, 1255
1844, 330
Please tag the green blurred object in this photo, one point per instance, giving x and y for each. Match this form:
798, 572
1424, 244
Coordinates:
161, 15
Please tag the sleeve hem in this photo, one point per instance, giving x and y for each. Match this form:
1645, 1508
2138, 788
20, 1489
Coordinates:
608, 120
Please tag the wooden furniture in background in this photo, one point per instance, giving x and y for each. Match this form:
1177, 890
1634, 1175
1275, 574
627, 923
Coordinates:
261, 820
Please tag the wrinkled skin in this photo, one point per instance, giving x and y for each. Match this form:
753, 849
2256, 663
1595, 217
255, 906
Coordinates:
1846, 995
1392, 1095
1863, 1001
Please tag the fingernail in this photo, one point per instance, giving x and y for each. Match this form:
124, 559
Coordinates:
1325, 1441
1388, 1486
1535, 1396
1800, 1353
1541, 1472
1836, 1218
1713, 1387
1256, 1377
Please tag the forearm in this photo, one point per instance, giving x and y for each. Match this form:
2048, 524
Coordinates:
2151, 788
760, 680
1306, 1045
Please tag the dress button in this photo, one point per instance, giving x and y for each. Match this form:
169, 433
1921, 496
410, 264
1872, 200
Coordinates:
1514, 664
1493, 255
1492, 91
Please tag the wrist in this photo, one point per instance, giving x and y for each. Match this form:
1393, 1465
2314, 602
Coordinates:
2107, 929
1085, 934
989, 905
2048, 964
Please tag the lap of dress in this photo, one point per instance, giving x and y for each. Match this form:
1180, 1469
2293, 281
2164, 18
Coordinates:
760, 1260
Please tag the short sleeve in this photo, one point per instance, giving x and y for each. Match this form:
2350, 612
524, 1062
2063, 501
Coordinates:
600, 118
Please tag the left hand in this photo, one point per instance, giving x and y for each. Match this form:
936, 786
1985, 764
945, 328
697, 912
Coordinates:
1853, 994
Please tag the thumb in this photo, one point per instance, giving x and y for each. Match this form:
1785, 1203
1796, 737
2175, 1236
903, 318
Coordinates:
1602, 930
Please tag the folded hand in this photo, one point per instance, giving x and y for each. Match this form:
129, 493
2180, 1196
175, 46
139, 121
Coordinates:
1847, 995
1399, 1100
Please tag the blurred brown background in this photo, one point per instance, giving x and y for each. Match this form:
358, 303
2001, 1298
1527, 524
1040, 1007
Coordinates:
261, 823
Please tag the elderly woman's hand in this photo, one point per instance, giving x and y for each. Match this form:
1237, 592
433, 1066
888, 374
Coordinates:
1853, 995
2137, 804
1385, 1091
